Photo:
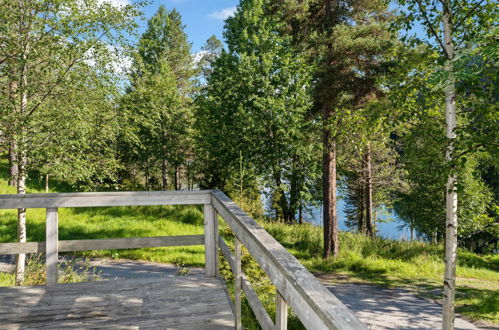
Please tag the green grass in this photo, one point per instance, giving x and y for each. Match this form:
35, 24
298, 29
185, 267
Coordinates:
110, 222
416, 265
116, 222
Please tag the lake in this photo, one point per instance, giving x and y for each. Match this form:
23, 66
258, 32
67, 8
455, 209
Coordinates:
387, 226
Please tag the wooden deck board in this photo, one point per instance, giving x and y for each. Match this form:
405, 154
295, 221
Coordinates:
193, 302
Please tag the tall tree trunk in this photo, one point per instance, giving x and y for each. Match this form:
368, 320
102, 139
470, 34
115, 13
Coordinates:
147, 174
300, 213
21, 219
46, 183
411, 228
360, 214
13, 164
368, 192
294, 192
329, 187
283, 203
164, 175
21, 181
451, 194
176, 178
134, 176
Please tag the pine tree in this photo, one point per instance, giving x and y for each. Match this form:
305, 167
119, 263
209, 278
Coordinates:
158, 105
347, 43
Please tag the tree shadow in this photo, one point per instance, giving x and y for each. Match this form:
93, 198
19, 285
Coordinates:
187, 214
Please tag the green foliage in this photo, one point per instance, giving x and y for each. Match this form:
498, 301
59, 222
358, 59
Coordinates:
254, 108
156, 109
71, 270
58, 69
165, 39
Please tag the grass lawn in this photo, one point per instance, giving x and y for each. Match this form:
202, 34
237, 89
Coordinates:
382, 262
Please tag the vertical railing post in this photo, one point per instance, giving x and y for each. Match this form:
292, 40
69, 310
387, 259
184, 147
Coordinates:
238, 283
210, 240
281, 312
51, 245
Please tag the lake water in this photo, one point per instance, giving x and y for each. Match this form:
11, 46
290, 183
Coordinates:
388, 224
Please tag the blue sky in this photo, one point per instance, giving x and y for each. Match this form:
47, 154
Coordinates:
202, 18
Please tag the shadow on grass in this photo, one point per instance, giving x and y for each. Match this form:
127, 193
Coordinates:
188, 214
36, 232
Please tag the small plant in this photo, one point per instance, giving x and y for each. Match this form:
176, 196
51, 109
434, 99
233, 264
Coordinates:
181, 270
71, 270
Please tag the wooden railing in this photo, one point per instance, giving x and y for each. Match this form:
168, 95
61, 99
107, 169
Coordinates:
296, 287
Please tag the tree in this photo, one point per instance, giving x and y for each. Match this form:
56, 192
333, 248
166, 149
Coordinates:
454, 29
158, 121
257, 97
166, 40
42, 42
370, 178
210, 51
326, 31
159, 134
78, 145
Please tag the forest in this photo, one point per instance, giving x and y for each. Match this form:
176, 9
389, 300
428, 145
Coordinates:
387, 105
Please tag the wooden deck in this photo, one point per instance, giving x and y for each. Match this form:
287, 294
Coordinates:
171, 303
193, 302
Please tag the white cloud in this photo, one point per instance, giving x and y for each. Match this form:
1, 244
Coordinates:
223, 14
116, 59
115, 3
199, 56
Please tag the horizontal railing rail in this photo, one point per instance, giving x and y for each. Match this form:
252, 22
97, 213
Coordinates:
296, 287
104, 244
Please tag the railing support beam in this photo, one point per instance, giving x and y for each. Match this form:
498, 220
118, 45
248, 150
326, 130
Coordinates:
281, 312
238, 283
51, 245
210, 240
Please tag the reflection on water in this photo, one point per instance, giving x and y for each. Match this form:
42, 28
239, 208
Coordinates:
388, 224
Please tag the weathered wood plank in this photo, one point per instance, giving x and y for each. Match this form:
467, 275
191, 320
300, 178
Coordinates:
51, 239
316, 307
256, 305
237, 283
261, 314
210, 240
170, 302
227, 254
104, 244
281, 312
16, 248
105, 199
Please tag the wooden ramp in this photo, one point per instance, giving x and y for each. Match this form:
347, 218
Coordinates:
194, 302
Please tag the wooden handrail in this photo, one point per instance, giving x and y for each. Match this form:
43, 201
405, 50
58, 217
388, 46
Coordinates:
296, 287
315, 306
125, 198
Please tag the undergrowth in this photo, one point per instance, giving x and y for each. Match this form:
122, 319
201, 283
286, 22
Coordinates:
70, 270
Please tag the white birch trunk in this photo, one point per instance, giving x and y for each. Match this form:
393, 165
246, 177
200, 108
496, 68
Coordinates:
22, 162
451, 194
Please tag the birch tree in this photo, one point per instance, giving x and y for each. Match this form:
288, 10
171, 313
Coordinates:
455, 29
41, 43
